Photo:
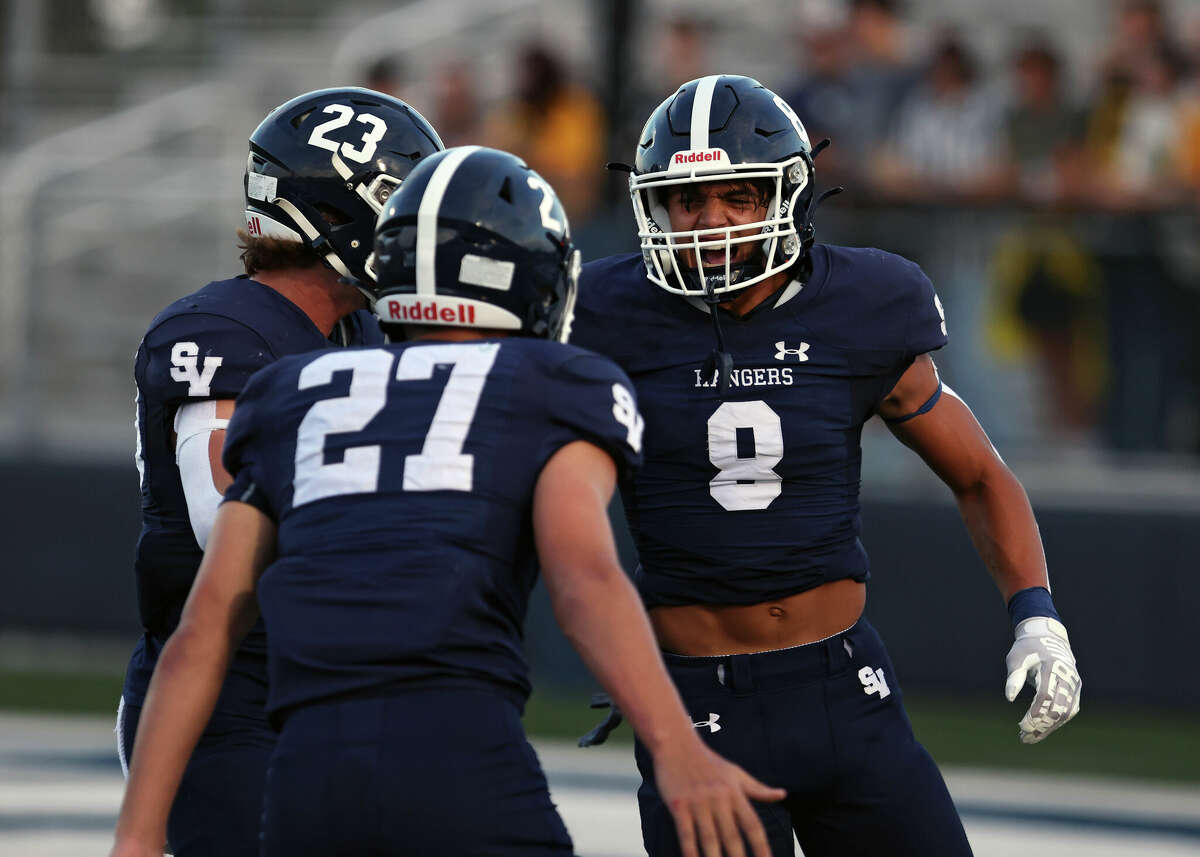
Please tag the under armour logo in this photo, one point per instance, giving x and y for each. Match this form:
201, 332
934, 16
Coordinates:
184, 356
874, 682
711, 723
781, 351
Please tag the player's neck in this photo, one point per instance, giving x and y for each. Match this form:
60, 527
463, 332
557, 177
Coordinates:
317, 291
748, 298
451, 334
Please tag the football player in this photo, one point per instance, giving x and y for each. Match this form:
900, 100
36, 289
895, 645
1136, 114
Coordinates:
400, 500
746, 513
319, 171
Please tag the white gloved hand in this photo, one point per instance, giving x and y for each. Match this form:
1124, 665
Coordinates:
1042, 656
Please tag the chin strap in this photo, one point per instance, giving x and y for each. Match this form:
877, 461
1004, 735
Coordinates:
720, 361
599, 733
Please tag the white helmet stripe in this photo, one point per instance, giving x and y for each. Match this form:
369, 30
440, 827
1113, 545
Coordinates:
427, 215
701, 111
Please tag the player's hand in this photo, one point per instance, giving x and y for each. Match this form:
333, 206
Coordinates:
709, 799
1042, 656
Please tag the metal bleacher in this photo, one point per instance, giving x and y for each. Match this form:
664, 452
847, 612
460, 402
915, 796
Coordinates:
104, 221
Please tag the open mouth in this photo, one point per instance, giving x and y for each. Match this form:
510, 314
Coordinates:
713, 258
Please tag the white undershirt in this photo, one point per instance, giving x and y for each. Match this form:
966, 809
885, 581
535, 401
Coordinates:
194, 424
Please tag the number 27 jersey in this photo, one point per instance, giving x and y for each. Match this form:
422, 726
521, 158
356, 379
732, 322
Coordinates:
401, 479
752, 495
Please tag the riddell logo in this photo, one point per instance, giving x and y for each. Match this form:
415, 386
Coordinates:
431, 311
699, 156
253, 226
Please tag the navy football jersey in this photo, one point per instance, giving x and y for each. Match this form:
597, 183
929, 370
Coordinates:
754, 495
402, 479
203, 346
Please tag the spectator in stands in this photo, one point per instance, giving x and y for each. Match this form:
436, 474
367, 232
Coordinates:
386, 75
1141, 32
1145, 157
557, 126
677, 50
1044, 304
946, 140
1188, 151
881, 66
1137, 132
825, 96
456, 108
683, 50
1042, 130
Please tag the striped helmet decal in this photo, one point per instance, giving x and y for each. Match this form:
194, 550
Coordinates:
702, 110
427, 216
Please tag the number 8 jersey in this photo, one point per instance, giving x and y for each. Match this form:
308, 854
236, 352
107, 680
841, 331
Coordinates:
401, 480
754, 495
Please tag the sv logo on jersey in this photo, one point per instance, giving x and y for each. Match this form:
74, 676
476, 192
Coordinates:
874, 682
782, 351
184, 358
625, 412
711, 723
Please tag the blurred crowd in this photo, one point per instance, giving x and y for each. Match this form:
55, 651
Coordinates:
912, 114
917, 118
939, 126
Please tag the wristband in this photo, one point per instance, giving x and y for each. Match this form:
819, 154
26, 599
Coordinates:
1034, 601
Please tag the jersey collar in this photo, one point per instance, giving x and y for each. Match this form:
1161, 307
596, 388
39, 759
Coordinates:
777, 298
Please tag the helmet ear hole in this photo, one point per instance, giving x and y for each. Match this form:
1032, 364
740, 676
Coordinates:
332, 215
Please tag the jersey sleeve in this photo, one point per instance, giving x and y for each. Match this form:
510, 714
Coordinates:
598, 325
587, 328
590, 399
926, 329
196, 357
243, 451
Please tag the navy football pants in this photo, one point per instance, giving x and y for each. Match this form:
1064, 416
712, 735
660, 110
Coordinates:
824, 721
437, 771
219, 804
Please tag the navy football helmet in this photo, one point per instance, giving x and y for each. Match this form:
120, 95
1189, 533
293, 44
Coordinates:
475, 238
722, 128
322, 166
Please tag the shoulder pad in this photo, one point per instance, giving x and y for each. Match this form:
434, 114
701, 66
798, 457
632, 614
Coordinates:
885, 300
592, 397
199, 356
611, 291
246, 422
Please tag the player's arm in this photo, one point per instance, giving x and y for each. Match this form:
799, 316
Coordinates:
600, 612
199, 436
219, 612
992, 502
1000, 520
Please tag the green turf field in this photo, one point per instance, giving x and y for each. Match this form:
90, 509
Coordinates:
1150, 745
1117, 743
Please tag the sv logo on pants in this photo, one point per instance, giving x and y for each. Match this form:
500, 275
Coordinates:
874, 682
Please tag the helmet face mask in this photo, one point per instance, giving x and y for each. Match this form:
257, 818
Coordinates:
322, 167
475, 238
722, 128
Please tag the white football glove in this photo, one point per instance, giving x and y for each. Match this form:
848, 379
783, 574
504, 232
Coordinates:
1042, 656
